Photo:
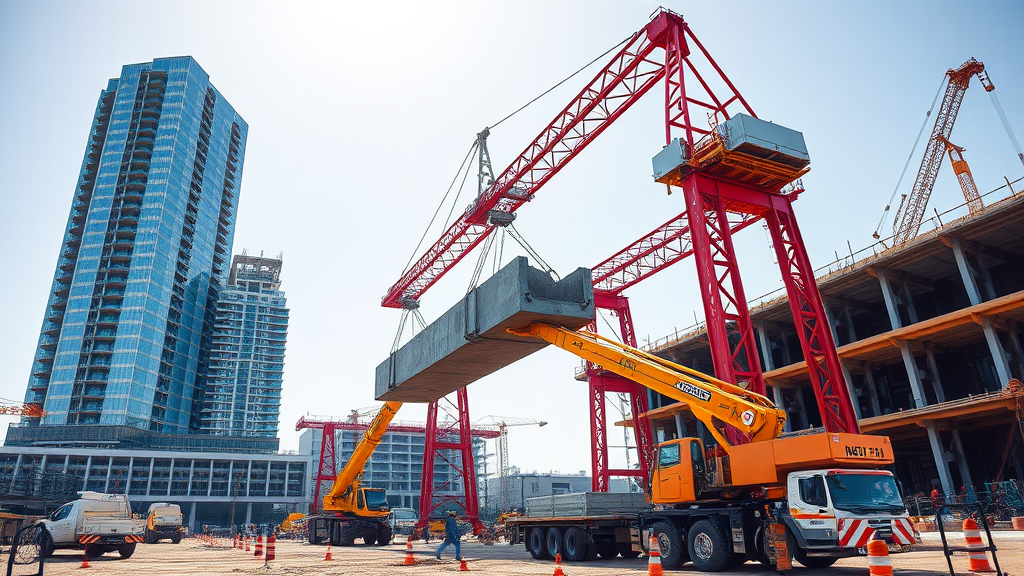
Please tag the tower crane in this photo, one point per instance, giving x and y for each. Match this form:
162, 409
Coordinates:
503, 424
23, 409
912, 206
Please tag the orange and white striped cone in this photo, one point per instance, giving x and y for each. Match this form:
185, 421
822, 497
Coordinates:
463, 567
654, 558
558, 566
259, 547
248, 540
271, 548
237, 543
879, 563
977, 560
409, 560
329, 557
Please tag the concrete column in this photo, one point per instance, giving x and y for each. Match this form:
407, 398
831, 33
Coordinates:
110, 467
266, 485
769, 365
941, 463
192, 518
831, 322
787, 358
67, 461
679, 426
908, 300
876, 405
849, 323
914, 375
149, 481
961, 459
128, 478
191, 473
996, 349
986, 278
88, 469
1018, 349
170, 477
209, 480
17, 468
804, 422
965, 271
890, 300
852, 391
248, 513
933, 370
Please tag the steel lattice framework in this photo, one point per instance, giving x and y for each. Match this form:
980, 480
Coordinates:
697, 95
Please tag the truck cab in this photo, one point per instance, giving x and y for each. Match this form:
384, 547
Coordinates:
839, 510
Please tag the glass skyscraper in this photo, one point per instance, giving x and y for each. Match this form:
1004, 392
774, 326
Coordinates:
147, 243
243, 392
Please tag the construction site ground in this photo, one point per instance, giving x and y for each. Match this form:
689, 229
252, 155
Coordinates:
193, 557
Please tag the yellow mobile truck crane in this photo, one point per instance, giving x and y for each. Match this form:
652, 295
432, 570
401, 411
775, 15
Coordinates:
756, 495
351, 510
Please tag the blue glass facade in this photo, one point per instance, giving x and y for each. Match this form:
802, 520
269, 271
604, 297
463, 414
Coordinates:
243, 391
146, 245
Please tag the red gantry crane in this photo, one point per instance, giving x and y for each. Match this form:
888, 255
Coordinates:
723, 192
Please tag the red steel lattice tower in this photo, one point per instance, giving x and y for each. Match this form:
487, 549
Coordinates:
723, 193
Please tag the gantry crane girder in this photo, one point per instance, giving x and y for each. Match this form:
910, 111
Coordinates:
912, 206
723, 194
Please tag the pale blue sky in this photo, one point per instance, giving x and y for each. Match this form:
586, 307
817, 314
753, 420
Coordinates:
360, 114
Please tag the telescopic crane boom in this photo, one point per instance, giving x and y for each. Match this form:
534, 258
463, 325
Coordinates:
712, 401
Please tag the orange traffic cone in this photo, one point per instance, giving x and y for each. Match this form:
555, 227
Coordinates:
259, 547
977, 560
463, 567
409, 560
654, 558
247, 541
271, 553
558, 565
879, 563
85, 559
329, 557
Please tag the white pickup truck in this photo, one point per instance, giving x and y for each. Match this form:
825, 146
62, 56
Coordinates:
99, 523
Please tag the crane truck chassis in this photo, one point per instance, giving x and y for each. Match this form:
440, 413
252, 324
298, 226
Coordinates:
752, 493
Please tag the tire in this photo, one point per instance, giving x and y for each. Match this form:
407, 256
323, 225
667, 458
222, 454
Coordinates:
708, 549
370, 538
176, 539
591, 552
554, 541
813, 561
384, 536
673, 552
346, 535
537, 544
47, 547
575, 544
607, 549
126, 550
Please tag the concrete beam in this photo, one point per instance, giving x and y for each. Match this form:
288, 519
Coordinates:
470, 340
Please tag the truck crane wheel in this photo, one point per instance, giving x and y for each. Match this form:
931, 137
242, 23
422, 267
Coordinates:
176, 539
384, 536
126, 550
369, 538
801, 555
591, 552
707, 546
673, 552
346, 534
554, 541
575, 544
537, 544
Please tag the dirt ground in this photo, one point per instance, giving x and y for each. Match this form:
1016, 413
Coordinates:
192, 557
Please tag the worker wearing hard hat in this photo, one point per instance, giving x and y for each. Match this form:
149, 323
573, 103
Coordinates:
451, 536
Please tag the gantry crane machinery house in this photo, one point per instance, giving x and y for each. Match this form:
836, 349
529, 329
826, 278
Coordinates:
727, 185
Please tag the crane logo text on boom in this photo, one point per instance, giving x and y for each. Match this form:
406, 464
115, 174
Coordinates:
694, 391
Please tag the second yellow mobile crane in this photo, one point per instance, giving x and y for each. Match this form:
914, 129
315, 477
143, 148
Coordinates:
351, 510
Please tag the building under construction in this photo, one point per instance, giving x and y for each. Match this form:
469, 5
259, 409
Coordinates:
929, 335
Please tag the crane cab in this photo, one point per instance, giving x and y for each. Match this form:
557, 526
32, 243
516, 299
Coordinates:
372, 502
681, 472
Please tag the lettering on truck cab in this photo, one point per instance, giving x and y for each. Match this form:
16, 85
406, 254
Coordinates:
864, 452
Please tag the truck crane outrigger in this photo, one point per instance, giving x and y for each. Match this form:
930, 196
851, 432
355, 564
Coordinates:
351, 510
759, 495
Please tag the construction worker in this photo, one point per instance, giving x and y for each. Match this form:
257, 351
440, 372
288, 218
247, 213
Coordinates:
451, 536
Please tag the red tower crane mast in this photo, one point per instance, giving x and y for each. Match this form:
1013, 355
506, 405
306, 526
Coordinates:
722, 196
912, 206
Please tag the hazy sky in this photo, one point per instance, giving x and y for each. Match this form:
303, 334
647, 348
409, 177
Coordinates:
360, 114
